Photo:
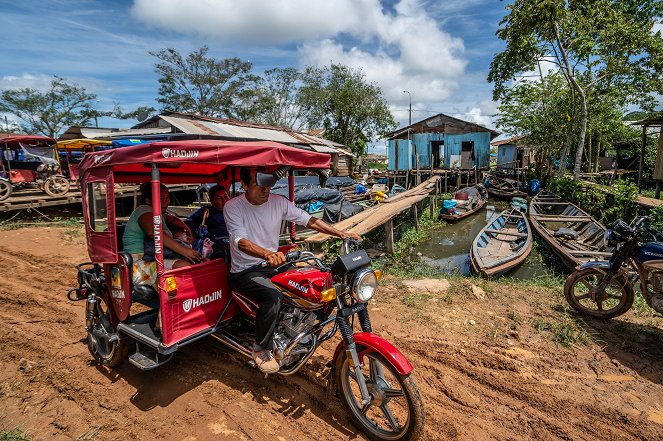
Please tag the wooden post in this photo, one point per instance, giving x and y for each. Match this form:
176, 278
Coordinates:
446, 182
389, 236
458, 181
642, 155
431, 205
415, 212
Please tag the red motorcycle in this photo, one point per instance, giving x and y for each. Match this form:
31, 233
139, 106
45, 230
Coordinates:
371, 376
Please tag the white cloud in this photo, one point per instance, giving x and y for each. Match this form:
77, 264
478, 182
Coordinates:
403, 49
39, 82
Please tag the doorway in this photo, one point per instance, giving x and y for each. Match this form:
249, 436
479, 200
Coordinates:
467, 154
437, 147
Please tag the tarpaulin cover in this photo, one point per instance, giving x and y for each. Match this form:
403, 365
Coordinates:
314, 181
46, 155
347, 209
197, 160
118, 143
305, 195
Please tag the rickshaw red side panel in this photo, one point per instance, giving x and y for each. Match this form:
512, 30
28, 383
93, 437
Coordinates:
119, 288
17, 176
202, 293
101, 245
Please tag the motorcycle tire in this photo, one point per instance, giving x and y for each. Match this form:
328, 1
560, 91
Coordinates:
107, 353
396, 412
618, 295
56, 186
5, 189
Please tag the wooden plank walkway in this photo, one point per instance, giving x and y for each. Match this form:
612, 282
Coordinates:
379, 214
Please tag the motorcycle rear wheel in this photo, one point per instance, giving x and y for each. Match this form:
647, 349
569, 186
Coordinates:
5, 189
580, 292
396, 412
56, 186
107, 353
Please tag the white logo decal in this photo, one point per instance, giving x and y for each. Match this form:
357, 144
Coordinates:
649, 253
297, 286
117, 294
354, 259
189, 304
102, 158
168, 153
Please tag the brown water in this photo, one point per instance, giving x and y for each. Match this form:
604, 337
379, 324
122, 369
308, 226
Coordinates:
448, 248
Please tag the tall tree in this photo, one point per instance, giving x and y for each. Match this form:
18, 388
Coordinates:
203, 85
340, 100
610, 39
278, 102
47, 113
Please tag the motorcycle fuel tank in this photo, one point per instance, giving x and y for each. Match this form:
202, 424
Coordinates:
304, 283
650, 255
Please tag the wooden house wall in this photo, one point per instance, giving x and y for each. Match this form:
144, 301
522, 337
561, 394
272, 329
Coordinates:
506, 154
424, 141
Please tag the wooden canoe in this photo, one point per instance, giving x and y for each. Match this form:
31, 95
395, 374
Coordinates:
575, 236
504, 188
471, 199
502, 245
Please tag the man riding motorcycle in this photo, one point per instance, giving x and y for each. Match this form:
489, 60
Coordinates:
254, 222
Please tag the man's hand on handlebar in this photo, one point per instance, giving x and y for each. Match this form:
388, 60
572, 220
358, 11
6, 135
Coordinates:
193, 255
275, 258
350, 234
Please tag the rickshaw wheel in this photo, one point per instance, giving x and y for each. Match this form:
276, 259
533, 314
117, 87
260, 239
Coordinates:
56, 186
107, 353
5, 189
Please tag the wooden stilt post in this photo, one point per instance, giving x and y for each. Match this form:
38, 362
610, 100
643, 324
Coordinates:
415, 212
658, 190
431, 205
389, 236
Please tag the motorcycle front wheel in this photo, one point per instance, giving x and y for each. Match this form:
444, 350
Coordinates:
56, 186
582, 293
5, 189
106, 352
396, 411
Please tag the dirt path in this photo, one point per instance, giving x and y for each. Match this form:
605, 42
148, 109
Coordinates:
487, 368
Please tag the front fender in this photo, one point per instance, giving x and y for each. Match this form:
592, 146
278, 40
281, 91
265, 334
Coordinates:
594, 264
382, 347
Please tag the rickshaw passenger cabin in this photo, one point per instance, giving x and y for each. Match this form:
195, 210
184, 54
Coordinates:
181, 292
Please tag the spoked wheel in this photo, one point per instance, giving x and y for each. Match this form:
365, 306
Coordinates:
104, 349
395, 412
581, 290
56, 186
5, 189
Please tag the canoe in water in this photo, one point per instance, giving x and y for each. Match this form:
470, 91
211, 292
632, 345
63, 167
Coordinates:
469, 201
575, 236
502, 245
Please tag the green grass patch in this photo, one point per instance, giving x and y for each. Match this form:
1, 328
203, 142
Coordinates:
564, 331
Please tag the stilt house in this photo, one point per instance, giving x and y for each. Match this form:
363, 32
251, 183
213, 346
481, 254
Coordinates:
440, 141
513, 153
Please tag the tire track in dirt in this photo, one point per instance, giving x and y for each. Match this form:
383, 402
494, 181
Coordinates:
478, 379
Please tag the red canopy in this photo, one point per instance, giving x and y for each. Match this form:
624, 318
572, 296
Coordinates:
15, 139
196, 160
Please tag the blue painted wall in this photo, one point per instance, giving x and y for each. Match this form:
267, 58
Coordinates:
506, 154
452, 146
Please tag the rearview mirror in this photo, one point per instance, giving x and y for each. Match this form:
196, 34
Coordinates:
265, 179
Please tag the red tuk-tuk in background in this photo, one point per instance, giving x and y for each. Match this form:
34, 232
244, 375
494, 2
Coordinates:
30, 160
372, 378
70, 153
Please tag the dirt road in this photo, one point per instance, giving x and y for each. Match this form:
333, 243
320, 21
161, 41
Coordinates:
485, 361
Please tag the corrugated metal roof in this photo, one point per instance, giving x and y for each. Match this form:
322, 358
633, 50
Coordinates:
211, 128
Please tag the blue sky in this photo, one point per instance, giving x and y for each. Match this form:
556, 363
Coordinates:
439, 51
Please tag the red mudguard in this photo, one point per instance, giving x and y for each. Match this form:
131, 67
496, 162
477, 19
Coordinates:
374, 343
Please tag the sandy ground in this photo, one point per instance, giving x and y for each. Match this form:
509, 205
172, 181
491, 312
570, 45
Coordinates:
485, 363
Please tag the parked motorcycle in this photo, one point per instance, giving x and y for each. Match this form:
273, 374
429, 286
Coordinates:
605, 289
372, 377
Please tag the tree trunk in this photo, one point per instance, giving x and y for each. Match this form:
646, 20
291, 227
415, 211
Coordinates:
565, 151
583, 129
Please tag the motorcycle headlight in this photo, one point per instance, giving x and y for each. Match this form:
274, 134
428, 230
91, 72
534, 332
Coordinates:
364, 285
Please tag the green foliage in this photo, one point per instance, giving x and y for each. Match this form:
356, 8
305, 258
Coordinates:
13, 435
619, 202
604, 48
350, 110
277, 101
197, 83
47, 113
565, 331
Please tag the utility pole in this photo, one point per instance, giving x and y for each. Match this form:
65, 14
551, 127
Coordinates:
410, 119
